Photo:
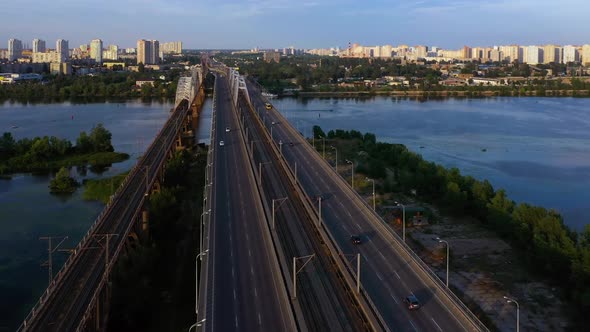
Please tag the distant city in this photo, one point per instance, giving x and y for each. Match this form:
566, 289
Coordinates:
18, 59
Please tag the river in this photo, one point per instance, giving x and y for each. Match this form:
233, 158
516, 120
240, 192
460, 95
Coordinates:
28, 211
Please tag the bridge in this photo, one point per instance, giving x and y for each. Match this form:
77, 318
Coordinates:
274, 250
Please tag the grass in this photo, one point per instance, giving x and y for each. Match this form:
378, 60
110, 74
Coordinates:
102, 189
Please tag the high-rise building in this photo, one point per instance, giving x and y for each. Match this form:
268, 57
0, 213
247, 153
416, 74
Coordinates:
62, 47
38, 45
586, 54
148, 52
96, 50
511, 52
172, 47
551, 53
47, 57
466, 52
534, 55
15, 49
420, 51
496, 55
111, 53
570, 54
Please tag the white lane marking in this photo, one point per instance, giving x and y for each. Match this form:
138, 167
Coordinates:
233, 272
259, 319
394, 298
255, 291
436, 324
235, 295
236, 320
379, 276
380, 253
249, 253
413, 326
251, 271
397, 275
359, 227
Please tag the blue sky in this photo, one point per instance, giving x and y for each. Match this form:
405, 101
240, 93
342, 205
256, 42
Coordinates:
301, 23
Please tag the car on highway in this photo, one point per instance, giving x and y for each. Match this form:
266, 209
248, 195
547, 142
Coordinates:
412, 302
291, 144
221, 143
268, 106
227, 129
355, 239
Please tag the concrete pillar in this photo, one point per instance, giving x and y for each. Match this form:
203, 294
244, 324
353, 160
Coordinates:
145, 221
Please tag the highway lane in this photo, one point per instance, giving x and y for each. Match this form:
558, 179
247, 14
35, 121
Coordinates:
247, 293
386, 275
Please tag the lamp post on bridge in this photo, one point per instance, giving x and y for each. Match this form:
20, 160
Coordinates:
336, 164
509, 300
352, 177
202, 228
147, 180
197, 259
280, 201
373, 192
403, 220
447, 243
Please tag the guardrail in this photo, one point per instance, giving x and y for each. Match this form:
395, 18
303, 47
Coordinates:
377, 221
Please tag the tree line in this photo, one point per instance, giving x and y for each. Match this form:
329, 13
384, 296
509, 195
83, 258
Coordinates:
103, 85
548, 246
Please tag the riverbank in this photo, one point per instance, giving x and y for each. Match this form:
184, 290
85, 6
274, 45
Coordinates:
447, 93
547, 250
94, 160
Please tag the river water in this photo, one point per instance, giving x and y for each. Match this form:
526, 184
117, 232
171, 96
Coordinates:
28, 211
538, 149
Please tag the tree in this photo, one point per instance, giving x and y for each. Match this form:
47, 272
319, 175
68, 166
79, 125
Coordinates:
318, 132
83, 143
63, 183
7, 146
100, 138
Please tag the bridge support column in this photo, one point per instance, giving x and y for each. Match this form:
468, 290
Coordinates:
145, 221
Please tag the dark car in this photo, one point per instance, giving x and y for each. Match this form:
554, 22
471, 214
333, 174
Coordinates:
412, 302
355, 239
291, 144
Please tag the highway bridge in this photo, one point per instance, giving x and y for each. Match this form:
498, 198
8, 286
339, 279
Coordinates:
274, 252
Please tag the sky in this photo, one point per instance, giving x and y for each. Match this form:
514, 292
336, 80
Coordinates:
245, 24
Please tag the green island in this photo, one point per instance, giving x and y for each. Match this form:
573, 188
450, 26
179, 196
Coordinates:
47, 154
544, 247
63, 183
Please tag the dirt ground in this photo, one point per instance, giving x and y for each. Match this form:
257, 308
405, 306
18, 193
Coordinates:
484, 269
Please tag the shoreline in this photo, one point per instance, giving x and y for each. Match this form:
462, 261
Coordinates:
443, 94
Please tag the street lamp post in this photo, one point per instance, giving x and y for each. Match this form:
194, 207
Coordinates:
509, 300
201, 229
373, 191
352, 177
447, 243
324, 147
197, 259
336, 165
147, 180
403, 220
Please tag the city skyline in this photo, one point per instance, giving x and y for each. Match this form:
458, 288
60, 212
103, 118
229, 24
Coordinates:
305, 24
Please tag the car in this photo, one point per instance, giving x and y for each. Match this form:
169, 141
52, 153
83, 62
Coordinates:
291, 144
412, 302
221, 143
355, 239
268, 106
227, 129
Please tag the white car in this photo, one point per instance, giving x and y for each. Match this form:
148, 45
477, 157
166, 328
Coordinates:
221, 143
227, 129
